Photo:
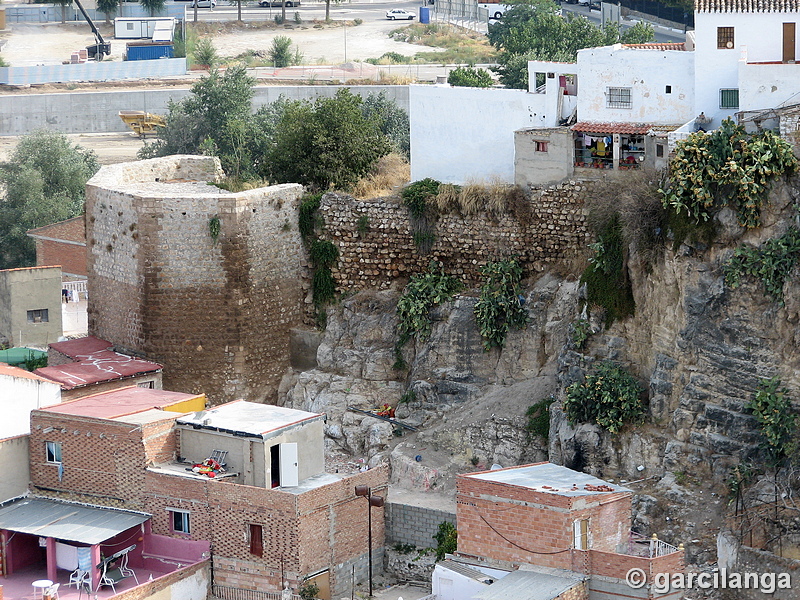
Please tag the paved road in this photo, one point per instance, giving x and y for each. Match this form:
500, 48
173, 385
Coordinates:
307, 10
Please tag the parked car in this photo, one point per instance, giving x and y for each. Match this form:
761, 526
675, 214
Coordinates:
399, 13
289, 3
204, 3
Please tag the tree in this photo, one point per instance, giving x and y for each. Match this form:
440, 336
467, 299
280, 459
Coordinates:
470, 77
533, 30
44, 183
325, 144
154, 6
392, 120
108, 7
63, 4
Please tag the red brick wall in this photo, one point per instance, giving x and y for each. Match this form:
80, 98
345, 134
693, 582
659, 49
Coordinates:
518, 525
579, 592
102, 460
72, 258
608, 564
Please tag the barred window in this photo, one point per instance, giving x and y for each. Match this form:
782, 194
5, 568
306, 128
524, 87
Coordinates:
541, 146
724, 38
729, 98
618, 98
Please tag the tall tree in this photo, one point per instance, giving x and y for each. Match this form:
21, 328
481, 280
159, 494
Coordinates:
44, 182
108, 8
63, 4
152, 6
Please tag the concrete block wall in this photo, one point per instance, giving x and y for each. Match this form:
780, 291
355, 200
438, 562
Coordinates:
415, 525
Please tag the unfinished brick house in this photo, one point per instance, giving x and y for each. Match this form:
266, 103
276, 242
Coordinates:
89, 365
248, 478
62, 244
548, 527
274, 516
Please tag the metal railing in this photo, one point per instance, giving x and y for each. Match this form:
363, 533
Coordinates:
461, 12
225, 592
652, 547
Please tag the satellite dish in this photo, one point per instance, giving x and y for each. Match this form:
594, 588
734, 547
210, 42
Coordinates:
729, 45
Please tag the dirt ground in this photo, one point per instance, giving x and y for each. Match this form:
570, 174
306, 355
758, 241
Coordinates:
110, 148
51, 44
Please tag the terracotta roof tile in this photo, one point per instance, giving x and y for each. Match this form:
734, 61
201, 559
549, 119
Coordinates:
608, 128
747, 6
657, 46
21, 373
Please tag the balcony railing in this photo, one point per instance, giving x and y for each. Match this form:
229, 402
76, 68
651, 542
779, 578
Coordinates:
652, 547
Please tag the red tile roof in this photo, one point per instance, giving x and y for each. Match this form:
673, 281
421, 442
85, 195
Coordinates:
747, 6
121, 402
17, 372
81, 347
658, 46
609, 128
103, 365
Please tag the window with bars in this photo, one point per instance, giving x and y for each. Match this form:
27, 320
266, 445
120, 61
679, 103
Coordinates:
40, 315
618, 97
724, 38
540, 146
729, 98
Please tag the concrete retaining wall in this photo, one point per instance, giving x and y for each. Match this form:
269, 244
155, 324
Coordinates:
98, 112
407, 524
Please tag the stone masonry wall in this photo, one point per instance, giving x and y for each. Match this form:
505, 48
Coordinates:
215, 312
550, 227
415, 525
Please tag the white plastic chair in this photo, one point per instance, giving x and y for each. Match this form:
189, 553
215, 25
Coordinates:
51, 593
82, 576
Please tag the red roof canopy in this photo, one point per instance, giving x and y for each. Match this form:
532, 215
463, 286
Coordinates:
609, 128
103, 365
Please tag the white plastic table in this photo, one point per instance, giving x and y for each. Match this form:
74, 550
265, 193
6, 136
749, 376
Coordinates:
39, 586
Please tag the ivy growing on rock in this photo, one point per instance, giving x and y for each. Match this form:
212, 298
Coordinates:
772, 263
609, 396
423, 292
323, 255
726, 167
501, 304
773, 410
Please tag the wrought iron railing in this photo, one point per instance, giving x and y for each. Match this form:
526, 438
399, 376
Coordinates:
225, 592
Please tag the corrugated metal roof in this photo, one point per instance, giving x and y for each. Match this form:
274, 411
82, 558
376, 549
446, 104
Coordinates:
464, 570
681, 46
551, 479
527, 585
607, 128
247, 418
747, 6
67, 521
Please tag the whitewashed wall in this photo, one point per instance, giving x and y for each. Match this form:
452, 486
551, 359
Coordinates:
759, 36
557, 105
16, 471
647, 73
768, 86
19, 395
460, 134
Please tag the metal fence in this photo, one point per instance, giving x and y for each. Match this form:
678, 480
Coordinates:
463, 13
224, 592
660, 11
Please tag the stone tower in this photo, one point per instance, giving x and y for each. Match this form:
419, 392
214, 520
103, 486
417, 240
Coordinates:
204, 281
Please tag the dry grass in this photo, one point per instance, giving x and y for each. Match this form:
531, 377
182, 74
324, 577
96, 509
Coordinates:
494, 198
386, 176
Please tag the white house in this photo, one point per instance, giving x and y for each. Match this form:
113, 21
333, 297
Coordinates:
745, 56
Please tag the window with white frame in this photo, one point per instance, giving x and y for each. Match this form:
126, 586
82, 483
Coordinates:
618, 97
53, 452
729, 98
179, 520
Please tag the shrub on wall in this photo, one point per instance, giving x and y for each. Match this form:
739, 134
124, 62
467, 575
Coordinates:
609, 397
446, 539
500, 307
772, 263
777, 419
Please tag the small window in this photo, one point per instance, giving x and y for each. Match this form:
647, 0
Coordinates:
256, 540
660, 150
668, 89
581, 532
618, 98
179, 520
724, 38
729, 98
540, 146
150, 385
40, 315
129, 26
53, 451
540, 81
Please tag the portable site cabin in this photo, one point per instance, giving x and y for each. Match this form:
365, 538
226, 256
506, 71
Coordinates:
135, 28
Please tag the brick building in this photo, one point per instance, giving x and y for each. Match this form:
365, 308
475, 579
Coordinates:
273, 516
62, 244
544, 522
206, 282
89, 365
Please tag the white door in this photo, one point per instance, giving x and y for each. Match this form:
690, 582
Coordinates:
288, 457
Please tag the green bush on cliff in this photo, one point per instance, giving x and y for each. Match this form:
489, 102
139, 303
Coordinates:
609, 396
773, 410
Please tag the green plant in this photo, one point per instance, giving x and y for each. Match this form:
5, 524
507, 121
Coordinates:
308, 590
3, 62
214, 228
681, 478
408, 397
280, 52
404, 548
474, 460
446, 539
608, 396
470, 77
205, 53
324, 255
580, 331
539, 418
501, 304
423, 292
424, 241
416, 195
726, 167
32, 362
773, 410
772, 263
279, 19
362, 225
606, 277
358, 21
297, 18
740, 477
306, 220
